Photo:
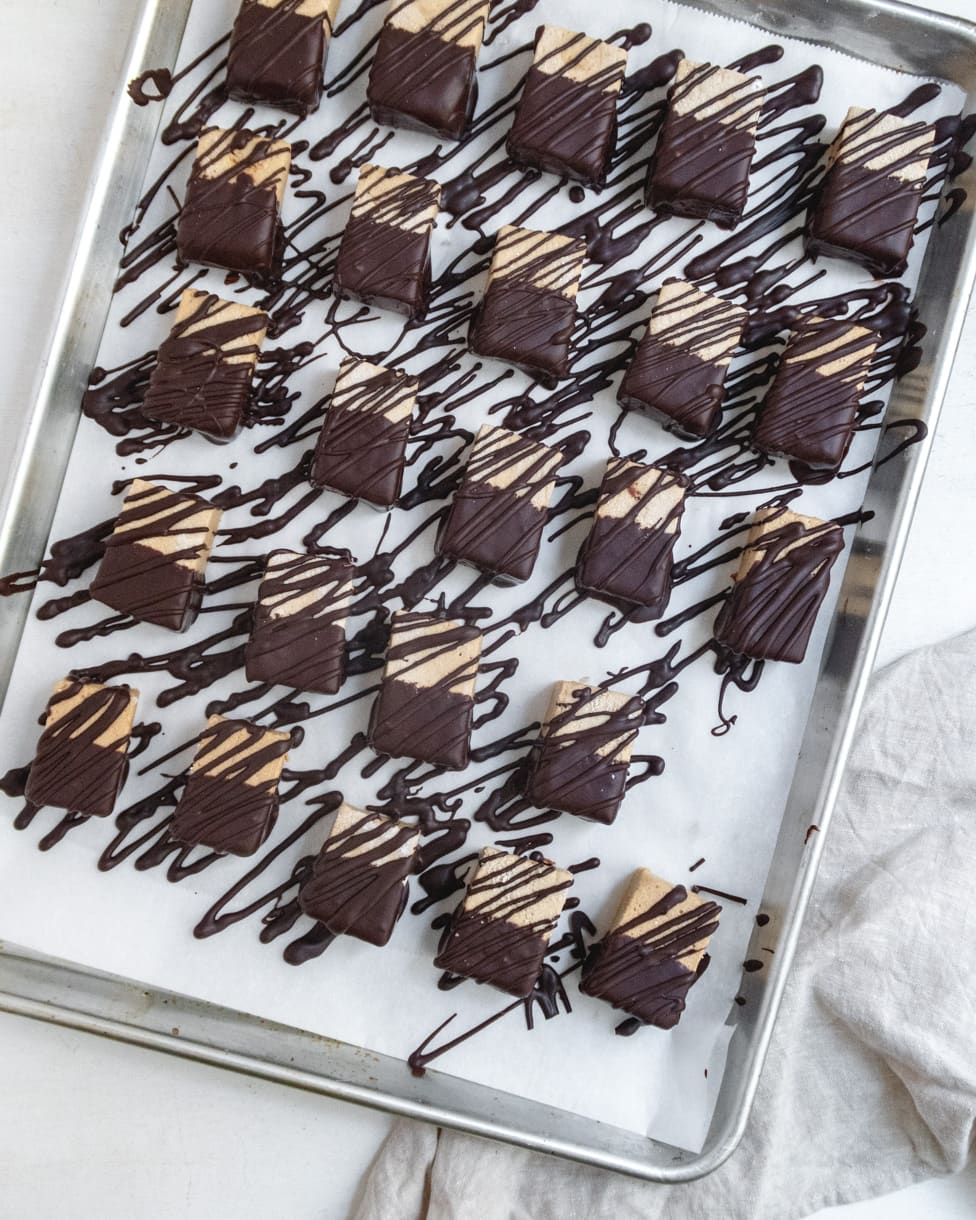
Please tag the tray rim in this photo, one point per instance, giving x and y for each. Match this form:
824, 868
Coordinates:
27, 997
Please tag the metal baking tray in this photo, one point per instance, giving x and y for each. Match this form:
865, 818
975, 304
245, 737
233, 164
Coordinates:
888, 33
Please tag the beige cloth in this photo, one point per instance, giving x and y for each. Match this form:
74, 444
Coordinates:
870, 1082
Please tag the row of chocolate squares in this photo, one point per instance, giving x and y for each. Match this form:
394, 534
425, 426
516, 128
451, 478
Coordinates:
231, 218
155, 560
423, 76
358, 882
203, 376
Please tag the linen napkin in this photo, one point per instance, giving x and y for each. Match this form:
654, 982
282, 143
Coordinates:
870, 1083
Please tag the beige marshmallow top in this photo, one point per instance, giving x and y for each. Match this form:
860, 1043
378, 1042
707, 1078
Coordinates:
458, 21
217, 156
114, 736
430, 665
197, 528
657, 507
596, 712
376, 199
862, 128
216, 757
332, 593
767, 522
242, 350
326, 9
708, 326
349, 819
547, 261
579, 58
500, 868
508, 458
644, 891
354, 372
729, 96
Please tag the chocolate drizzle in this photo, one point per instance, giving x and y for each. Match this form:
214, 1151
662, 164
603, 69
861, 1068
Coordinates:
277, 55
638, 966
230, 801
425, 78
358, 883
706, 147
772, 609
204, 368
580, 763
500, 933
81, 762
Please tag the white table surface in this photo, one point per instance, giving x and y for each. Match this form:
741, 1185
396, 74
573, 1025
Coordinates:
91, 1128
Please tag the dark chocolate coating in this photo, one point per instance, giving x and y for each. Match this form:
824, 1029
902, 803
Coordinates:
305, 650
564, 127
526, 327
70, 771
224, 812
230, 221
771, 612
807, 415
567, 772
429, 723
866, 216
139, 581
623, 561
422, 82
676, 387
354, 895
146, 583
643, 974
498, 530
385, 265
494, 951
360, 451
277, 56
194, 385
489, 947
701, 166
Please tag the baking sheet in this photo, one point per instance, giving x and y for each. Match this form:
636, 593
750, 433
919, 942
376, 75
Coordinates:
719, 797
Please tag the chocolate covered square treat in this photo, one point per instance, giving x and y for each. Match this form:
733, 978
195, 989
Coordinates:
156, 556
679, 369
424, 72
701, 165
655, 950
529, 307
299, 637
868, 202
500, 932
358, 884
231, 215
384, 256
425, 706
566, 120
628, 553
203, 373
780, 586
810, 411
362, 447
278, 50
579, 764
81, 759
498, 513
230, 799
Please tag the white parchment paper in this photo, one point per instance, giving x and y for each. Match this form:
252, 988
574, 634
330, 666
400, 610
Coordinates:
719, 797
